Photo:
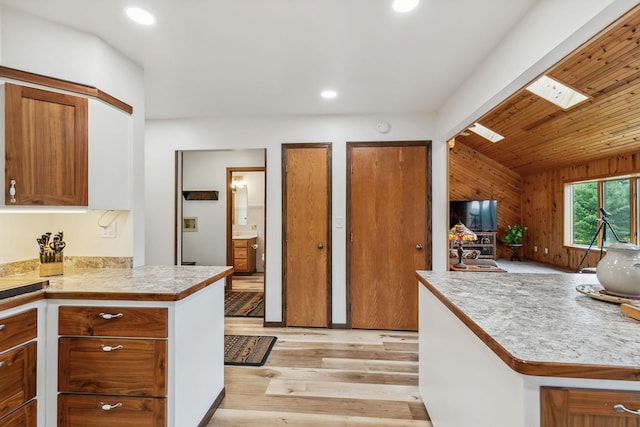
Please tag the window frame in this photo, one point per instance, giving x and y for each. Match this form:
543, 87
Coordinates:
634, 208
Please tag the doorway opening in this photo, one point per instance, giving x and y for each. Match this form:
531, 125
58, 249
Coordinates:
246, 227
204, 225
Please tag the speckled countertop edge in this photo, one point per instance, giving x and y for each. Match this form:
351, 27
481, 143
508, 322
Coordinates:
541, 318
146, 283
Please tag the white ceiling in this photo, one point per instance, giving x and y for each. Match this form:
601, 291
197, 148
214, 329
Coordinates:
257, 57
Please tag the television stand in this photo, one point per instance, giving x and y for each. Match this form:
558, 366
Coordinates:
485, 243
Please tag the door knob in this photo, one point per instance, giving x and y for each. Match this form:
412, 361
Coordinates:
419, 247
320, 245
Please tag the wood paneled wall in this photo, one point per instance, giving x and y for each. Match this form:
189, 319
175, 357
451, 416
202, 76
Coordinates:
543, 208
536, 200
474, 176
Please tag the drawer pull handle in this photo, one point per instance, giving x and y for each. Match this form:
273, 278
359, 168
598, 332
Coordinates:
110, 348
108, 316
107, 407
620, 408
2, 364
2, 327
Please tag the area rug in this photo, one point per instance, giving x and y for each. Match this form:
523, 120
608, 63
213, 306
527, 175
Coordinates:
243, 304
247, 350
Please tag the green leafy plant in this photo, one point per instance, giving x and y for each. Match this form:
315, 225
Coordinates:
513, 234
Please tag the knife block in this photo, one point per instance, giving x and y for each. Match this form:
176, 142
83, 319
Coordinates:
51, 269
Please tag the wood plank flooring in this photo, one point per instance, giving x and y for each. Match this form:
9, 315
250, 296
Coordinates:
324, 377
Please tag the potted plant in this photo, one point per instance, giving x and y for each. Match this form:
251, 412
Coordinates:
513, 234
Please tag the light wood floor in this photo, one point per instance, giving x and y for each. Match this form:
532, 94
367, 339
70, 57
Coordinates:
324, 377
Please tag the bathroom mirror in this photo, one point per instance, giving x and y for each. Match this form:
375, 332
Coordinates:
240, 201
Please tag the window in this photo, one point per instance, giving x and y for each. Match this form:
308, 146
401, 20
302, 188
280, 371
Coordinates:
601, 211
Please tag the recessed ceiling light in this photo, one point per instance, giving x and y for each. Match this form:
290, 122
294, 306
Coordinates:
553, 91
140, 16
486, 133
329, 94
403, 6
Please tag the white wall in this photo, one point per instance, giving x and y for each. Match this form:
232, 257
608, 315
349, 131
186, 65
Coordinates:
32, 44
207, 170
164, 137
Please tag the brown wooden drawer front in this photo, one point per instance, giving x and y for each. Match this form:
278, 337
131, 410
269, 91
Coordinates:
575, 407
86, 411
138, 368
17, 377
240, 253
17, 329
240, 265
26, 416
113, 321
238, 243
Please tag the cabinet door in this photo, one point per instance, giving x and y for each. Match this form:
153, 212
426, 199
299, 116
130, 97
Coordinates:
17, 377
110, 154
572, 407
46, 147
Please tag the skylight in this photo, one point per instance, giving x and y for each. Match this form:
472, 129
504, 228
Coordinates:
555, 92
486, 133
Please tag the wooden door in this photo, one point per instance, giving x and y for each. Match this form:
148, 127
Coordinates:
306, 234
389, 232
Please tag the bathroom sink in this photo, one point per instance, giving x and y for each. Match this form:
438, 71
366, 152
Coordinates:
244, 235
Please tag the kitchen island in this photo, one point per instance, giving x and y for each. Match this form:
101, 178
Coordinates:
143, 346
491, 344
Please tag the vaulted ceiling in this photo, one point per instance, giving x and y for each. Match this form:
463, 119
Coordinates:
539, 135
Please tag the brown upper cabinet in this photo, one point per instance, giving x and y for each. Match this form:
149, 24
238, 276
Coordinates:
46, 148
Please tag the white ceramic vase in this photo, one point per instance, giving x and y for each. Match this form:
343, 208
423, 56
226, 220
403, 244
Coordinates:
619, 270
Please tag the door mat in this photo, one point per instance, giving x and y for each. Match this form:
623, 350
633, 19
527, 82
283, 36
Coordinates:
247, 350
243, 304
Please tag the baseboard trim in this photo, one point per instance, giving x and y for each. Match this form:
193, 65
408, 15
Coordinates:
214, 406
273, 324
339, 326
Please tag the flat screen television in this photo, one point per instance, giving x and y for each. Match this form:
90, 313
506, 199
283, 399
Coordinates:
477, 215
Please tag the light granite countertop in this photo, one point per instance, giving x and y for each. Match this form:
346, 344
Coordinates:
541, 318
145, 283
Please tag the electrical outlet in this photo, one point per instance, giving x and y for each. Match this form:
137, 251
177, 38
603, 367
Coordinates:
546, 251
535, 249
254, 226
109, 232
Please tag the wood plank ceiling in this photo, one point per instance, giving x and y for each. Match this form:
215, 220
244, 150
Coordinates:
541, 136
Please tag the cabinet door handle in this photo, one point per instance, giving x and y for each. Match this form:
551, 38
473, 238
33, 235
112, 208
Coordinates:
107, 407
2, 364
2, 327
419, 247
108, 316
110, 348
620, 408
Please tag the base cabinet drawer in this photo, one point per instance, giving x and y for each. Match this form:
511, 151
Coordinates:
17, 329
26, 416
577, 407
17, 377
139, 322
112, 411
112, 366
